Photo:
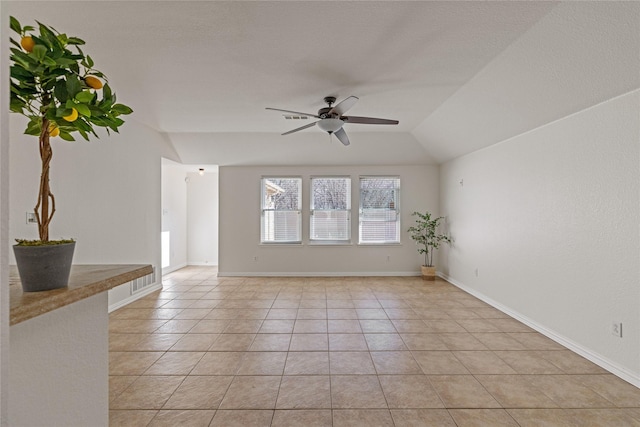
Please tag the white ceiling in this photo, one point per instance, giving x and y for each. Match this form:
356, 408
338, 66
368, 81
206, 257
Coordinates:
459, 76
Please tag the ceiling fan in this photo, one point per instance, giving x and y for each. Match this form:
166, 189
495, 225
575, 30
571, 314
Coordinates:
332, 118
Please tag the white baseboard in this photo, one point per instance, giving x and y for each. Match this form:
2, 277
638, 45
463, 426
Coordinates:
146, 291
202, 264
319, 274
585, 352
173, 268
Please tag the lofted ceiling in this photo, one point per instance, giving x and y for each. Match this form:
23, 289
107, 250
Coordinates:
459, 76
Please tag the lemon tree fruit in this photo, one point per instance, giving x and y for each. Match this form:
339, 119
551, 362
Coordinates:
93, 82
54, 130
71, 117
27, 43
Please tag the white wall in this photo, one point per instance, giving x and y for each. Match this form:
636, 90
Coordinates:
202, 214
174, 212
107, 194
550, 220
240, 225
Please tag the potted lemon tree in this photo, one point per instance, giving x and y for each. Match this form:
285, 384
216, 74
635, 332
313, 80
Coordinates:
425, 234
55, 86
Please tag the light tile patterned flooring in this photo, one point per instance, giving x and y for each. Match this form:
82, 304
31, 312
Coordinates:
367, 351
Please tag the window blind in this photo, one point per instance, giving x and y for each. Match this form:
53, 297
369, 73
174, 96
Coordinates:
330, 209
281, 220
379, 220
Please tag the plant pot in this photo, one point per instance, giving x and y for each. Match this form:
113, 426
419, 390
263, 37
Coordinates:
45, 267
428, 273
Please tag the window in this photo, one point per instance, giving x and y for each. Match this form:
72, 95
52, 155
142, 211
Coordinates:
281, 216
330, 210
379, 209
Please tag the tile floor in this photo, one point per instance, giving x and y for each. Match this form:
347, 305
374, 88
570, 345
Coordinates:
367, 351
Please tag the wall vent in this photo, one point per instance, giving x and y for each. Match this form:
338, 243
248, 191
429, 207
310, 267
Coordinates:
142, 282
296, 117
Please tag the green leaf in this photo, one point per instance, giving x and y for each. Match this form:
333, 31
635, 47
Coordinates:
15, 25
83, 109
75, 41
60, 91
89, 61
73, 85
85, 96
66, 136
122, 109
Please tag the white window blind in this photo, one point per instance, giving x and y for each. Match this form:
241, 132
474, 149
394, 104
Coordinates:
330, 209
281, 210
379, 209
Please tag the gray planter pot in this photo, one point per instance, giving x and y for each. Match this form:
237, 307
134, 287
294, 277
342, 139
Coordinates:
43, 268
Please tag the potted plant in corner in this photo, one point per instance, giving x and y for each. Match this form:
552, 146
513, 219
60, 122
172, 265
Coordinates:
425, 234
60, 92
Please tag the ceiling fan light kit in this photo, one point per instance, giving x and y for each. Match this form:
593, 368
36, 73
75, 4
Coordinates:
332, 120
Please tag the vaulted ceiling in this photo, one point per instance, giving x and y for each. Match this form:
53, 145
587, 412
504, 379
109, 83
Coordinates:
459, 76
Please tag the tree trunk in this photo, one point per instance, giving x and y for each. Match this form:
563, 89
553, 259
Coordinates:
42, 208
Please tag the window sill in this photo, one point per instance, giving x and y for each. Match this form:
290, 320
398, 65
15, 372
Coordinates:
330, 244
381, 244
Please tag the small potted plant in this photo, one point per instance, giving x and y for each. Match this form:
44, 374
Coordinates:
55, 86
425, 234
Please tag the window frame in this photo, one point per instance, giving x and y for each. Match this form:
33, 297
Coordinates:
264, 210
348, 211
396, 208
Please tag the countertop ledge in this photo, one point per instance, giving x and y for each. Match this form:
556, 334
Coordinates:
84, 282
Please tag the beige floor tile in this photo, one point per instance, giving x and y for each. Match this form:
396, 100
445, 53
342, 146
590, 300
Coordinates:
439, 362
569, 393
125, 342
509, 325
286, 303
194, 342
380, 342
312, 313
528, 362
243, 326
461, 341
282, 314
462, 391
401, 313
350, 363
242, 418
409, 391
199, 392
395, 362
176, 303
422, 342
253, 313
309, 342
304, 392
602, 417
302, 417
252, 392
178, 326
483, 362
498, 341
175, 363
534, 340
371, 313
356, 391
612, 388
347, 342
130, 418
342, 314
262, 363
218, 363
515, 391
223, 313
422, 417
182, 418
444, 326
125, 326
411, 326
191, 313
307, 363
232, 342
281, 326
150, 392
210, 326
543, 418
570, 362
339, 300
117, 384
482, 418
344, 326
158, 342
271, 342
377, 326
131, 363
360, 303
205, 303
310, 326
362, 417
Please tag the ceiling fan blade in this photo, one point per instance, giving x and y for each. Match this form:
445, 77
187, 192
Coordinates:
342, 136
341, 107
300, 128
368, 120
293, 112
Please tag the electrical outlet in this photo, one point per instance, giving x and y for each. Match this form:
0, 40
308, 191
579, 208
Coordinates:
255, 259
388, 258
31, 218
616, 329
477, 272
